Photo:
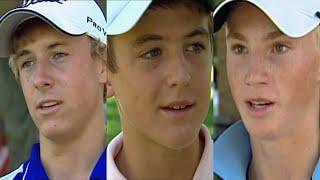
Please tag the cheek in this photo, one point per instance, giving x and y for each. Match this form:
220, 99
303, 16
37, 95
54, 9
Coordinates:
27, 89
297, 80
146, 90
203, 80
201, 72
235, 75
81, 82
135, 92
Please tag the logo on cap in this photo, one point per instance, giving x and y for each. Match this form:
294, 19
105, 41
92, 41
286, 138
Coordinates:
27, 3
318, 14
96, 25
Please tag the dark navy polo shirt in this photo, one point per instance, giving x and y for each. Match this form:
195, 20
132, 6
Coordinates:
33, 169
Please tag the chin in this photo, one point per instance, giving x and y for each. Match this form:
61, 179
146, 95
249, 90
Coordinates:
53, 132
179, 141
262, 131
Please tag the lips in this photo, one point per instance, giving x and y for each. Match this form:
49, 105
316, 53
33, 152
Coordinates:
259, 107
46, 107
259, 103
177, 109
48, 103
178, 105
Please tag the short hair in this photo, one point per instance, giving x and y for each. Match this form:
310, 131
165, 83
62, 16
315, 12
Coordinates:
199, 5
98, 49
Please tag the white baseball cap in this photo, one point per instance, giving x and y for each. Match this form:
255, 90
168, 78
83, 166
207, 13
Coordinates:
83, 17
295, 18
123, 15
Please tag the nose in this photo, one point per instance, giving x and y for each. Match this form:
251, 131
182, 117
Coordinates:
42, 79
178, 71
258, 72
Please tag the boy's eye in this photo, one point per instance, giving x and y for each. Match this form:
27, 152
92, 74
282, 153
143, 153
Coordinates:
239, 49
27, 64
152, 53
59, 55
279, 48
196, 48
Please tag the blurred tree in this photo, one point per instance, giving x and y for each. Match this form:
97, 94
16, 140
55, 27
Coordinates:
228, 113
18, 126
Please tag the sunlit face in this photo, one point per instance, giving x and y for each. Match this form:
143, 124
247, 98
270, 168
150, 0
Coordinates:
60, 80
163, 82
273, 78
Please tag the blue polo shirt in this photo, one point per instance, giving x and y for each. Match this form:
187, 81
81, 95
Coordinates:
33, 169
232, 154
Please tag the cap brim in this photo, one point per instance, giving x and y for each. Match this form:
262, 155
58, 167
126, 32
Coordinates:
128, 17
291, 22
11, 20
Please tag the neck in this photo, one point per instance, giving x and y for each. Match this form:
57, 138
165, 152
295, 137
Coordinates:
293, 156
75, 157
141, 158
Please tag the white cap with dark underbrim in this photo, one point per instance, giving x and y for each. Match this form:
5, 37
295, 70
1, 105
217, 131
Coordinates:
123, 15
295, 18
69, 16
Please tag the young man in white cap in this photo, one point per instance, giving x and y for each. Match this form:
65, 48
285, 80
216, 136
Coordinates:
57, 52
159, 66
273, 66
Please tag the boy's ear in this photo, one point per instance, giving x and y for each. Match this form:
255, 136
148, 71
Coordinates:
103, 74
102, 70
109, 90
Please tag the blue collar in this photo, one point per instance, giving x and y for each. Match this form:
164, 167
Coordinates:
232, 154
35, 169
100, 170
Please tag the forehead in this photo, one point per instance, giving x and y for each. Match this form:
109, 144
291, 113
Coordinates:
173, 22
39, 32
29, 32
246, 16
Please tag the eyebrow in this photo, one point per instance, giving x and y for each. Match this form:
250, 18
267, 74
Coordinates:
274, 35
25, 52
22, 53
54, 45
270, 36
154, 37
235, 35
146, 38
198, 32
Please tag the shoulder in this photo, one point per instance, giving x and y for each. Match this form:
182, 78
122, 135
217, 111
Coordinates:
205, 166
113, 149
232, 152
17, 174
234, 135
316, 171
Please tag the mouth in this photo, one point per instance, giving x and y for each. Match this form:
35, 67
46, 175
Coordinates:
178, 105
259, 107
177, 109
48, 106
259, 103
